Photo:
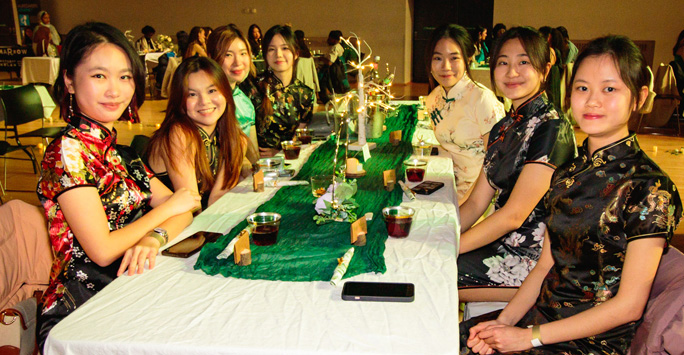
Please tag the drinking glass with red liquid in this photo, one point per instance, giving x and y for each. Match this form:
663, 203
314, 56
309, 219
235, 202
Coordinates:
398, 220
265, 226
415, 169
291, 149
304, 135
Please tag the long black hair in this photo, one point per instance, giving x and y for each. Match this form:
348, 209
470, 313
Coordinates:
459, 35
78, 45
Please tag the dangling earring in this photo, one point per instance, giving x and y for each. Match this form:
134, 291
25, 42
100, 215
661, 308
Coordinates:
71, 105
130, 112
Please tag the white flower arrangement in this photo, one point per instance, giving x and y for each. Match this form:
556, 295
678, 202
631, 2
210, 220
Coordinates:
165, 42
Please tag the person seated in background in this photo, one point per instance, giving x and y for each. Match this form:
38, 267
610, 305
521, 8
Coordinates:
333, 77
495, 34
481, 49
523, 151
677, 65
199, 145
612, 212
462, 111
54, 38
254, 38
197, 45
42, 40
282, 102
107, 213
303, 49
146, 44
572, 50
230, 49
183, 40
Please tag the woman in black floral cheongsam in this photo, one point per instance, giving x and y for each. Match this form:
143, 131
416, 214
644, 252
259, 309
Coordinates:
612, 213
282, 102
106, 212
524, 149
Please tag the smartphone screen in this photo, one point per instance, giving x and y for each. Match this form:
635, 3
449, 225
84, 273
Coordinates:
378, 291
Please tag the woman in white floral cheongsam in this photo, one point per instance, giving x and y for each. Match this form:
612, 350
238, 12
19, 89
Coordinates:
462, 111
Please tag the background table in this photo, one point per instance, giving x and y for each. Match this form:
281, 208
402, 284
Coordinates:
175, 309
39, 70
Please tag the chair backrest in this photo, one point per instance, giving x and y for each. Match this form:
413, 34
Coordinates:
24, 250
21, 105
665, 81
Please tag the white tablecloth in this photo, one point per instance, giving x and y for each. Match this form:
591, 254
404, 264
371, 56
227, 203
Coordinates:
39, 70
174, 309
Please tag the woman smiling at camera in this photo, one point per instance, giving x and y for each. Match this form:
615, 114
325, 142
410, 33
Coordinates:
612, 213
462, 111
282, 102
106, 213
199, 145
229, 48
524, 149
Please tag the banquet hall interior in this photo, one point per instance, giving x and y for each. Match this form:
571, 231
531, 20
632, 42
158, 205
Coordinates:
655, 24
396, 31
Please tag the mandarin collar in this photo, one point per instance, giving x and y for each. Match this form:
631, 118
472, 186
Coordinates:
205, 136
530, 107
456, 89
622, 148
89, 127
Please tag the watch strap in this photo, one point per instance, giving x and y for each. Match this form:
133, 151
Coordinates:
536, 336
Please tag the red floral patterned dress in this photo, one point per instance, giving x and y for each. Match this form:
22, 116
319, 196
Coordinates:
86, 154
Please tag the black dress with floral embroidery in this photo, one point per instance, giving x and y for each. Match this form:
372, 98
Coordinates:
86, 154
533, 134
597, 205
291, 105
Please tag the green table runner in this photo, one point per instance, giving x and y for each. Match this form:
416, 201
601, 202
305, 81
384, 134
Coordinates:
306, 251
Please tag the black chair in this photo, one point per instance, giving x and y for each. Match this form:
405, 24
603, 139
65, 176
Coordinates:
23, 105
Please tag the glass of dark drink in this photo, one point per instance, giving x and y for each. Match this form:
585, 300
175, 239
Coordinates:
398, 220
291, 149
265, 227
304, 135
415, 169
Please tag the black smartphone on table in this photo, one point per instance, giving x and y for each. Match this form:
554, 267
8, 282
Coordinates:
378, 291
191, 245
427, 187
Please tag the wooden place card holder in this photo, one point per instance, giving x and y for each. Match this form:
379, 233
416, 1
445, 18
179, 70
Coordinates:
359, 229
258, 181
389, 178
242, 253
395, 137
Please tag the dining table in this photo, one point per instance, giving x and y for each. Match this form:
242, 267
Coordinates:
178, 308
42, 70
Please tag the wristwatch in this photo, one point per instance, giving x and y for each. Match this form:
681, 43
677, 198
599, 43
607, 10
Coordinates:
536, 336
160, 235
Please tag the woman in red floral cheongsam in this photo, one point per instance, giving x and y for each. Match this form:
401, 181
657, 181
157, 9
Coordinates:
106, 212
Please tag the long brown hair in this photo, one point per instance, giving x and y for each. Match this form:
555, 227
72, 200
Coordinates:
220, 40
230, 137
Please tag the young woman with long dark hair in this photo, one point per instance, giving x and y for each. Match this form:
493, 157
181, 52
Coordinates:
462, 111
199, 145
282, 102
106, 212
